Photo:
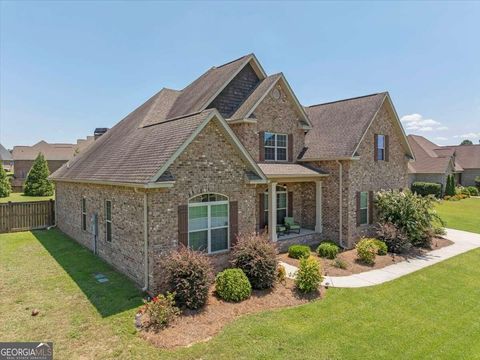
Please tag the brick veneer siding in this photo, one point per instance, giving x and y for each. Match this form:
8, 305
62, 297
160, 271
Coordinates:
125, 252
235, 93
209, 164
362, 175
273, 115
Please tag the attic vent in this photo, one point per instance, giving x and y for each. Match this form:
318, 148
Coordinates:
276, 94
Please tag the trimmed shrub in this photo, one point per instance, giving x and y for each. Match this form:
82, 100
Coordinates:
37, 183
189, 275
382, 248
233, 285
427, 188
309, 275
5, 187
473, 190
366, 251
328, 249
340, 263
450, 188
257, 257
477, 182
395, 238
460, 190
298, 251
281, 274
409, 212
161, 311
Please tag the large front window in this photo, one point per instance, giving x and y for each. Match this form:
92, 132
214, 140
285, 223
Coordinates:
208, 223
275, 147
282, 205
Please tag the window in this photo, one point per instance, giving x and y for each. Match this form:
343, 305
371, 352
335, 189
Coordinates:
380, 147
84, 214
363, 208
282, 205
208, 216
275, 147
108, 220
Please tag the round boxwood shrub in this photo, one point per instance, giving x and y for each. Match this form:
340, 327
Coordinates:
309, 275
189, 275
366, 251
298, 251
328, 249
257, 257
382, 248
233, 285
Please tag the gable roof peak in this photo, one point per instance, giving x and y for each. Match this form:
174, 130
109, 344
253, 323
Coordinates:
348, 99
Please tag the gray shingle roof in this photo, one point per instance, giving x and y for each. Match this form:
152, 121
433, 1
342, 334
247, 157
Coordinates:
5, 154
290, 170
427, 161
468, 156
339, 126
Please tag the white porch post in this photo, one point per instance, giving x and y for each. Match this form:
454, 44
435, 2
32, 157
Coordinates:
318, 206
272, 211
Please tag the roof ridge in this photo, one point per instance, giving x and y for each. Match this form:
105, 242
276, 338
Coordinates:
348, 99
232, 61
178, 118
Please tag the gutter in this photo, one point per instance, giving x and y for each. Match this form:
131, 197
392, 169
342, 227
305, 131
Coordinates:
340, 200
145, 240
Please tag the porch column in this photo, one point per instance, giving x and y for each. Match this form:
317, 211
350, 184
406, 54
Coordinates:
318, 206
272, 211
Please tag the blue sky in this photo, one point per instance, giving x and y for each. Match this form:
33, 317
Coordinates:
68, 67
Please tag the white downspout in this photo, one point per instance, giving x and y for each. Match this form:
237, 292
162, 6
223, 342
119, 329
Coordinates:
145, 240
340, 200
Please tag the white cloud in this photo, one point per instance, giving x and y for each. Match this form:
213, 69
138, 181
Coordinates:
470, 136
416, 122
441, 138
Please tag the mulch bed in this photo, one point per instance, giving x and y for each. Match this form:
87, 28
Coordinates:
355, 267
197, 326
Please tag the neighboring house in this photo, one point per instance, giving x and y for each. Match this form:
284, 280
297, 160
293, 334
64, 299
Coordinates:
232, 153
6, 159
55, 154
434, 163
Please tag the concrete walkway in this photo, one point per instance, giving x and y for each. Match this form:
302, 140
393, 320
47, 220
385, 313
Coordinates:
462, 242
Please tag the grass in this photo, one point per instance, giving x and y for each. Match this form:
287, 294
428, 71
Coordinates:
21, 197
461, 215
432, 313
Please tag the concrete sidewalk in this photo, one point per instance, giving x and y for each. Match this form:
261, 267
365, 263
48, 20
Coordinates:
462, 242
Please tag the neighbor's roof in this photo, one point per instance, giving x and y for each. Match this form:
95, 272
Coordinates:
468, 156
50, 151
290, 170
5, 154
427, 160
339, 126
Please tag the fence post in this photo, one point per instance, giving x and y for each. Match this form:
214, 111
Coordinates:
10, 217
52, 212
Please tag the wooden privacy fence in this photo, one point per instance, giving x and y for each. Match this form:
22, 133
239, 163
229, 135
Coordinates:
24, 216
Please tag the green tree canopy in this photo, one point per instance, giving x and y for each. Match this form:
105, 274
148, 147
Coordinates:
37, 183
466, 142
5, 187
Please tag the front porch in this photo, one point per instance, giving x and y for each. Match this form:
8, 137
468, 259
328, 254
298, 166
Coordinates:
305, 237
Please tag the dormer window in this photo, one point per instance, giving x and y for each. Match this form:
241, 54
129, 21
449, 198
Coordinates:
275, 146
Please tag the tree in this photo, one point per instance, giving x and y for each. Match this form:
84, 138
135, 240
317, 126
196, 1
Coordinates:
450, 187
37, 183
466, 142
5, 187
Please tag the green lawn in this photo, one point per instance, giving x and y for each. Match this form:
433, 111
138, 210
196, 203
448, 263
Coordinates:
20, 197
461, 215
432, 313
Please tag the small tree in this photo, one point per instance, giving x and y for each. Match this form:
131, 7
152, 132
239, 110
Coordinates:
466, 142
37, 183
5, 188
450, 187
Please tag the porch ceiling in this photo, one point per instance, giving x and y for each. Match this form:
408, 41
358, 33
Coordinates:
291, 172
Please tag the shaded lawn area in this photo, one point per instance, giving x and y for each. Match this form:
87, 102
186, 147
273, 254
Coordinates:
461, 215
20, 197
429, 314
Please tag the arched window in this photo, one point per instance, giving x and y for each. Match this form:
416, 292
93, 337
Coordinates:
282, 204
208, 225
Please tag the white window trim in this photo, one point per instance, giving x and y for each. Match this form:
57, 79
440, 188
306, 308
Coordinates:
84, 213
276, 147
381, 148
286, 201
365, 208
108, 221
210, 228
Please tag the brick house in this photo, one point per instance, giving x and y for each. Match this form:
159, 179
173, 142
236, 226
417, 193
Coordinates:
232, 153
6, 159
434, 163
